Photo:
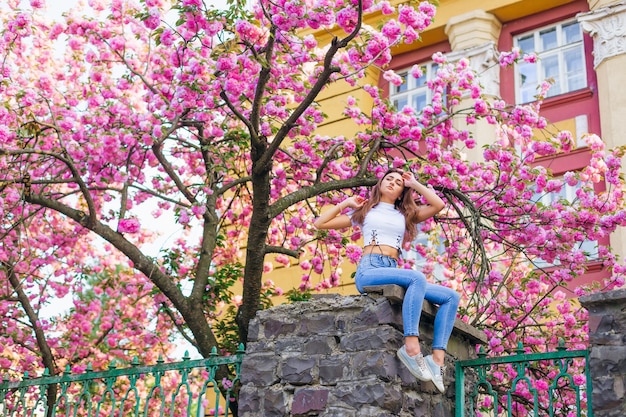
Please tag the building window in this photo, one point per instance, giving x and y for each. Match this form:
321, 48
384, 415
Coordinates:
413, 92
561, 56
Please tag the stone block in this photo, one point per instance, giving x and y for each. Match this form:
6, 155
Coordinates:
359, 394
253, 331
378, 312
609, 338
417, 403
275, 403
602, 304
249, 399
441, 409
374, 338
289, 344
366, 394
307, 400
383, 364
319, 346
392, 399
260, 369
275, 328
607, 359
298, 371
258, 346
334, 369
318, 324
393, 293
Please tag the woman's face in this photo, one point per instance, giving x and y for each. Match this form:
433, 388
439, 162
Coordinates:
391, 187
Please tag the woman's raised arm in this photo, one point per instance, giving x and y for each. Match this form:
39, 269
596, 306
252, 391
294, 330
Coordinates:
333, 219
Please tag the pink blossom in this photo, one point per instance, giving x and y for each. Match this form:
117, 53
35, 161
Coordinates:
392, 77
118, 43
439, 58
508, 58
128, 226
154, 18
392, 30
386, 8
416, 71
398, 162
347, 19
530, 58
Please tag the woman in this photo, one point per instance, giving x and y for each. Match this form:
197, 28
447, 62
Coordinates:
388, 220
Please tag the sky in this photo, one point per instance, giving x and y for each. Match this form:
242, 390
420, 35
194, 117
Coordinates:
56, 8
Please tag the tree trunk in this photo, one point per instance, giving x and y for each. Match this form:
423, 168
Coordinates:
255, 252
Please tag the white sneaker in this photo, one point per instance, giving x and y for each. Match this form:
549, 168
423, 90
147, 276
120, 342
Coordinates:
437, 373
416, 365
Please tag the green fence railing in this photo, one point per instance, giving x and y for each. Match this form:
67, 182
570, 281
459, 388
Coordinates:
537, 384
187, 388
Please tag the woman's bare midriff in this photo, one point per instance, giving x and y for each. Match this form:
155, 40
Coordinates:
381, 250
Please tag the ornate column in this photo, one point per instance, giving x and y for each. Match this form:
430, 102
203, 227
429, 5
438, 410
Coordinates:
474, 35
607, 26
606, 23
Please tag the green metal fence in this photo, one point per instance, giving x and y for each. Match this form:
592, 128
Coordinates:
537, 384
187, 388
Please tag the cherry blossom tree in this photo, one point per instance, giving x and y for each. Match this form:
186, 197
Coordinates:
128, 112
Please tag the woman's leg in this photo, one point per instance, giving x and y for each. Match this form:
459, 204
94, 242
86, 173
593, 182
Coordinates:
382, 270
448, 301
373, 271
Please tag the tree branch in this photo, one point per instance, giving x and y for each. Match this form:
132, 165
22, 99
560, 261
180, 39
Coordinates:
181, 330
140, 261
91, 218
283, 250
44, 347
305, 193
328, 70
156, 148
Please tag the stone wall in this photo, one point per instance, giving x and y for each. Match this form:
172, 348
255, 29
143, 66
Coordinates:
607, 357
336, 356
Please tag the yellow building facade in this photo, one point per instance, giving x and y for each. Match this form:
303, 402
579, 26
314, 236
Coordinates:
581, 43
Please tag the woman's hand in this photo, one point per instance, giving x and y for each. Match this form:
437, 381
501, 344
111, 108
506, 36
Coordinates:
410, 181
333, 219
354, 202
435, 203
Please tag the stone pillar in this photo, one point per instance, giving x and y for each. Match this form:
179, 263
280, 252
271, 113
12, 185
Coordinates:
607, 360
336, 356
606, 23
474, 35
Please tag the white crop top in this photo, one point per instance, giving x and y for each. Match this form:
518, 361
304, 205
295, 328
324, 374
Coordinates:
383, 225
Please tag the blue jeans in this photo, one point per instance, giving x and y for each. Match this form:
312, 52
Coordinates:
376, 269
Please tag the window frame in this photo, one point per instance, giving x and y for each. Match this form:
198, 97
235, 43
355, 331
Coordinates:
429, 70
559, 51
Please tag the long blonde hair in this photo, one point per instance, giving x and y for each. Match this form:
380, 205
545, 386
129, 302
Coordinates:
405, 204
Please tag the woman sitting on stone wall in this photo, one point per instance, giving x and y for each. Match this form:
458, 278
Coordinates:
388, 220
